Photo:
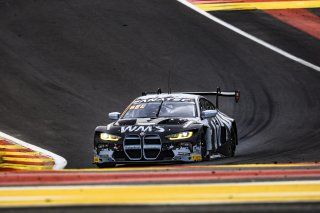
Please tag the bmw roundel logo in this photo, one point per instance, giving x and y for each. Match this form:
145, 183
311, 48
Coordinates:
142, 134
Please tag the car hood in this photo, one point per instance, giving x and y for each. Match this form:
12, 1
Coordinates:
150, 125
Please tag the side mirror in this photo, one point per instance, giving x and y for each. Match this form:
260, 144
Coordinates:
209, 114
114, 115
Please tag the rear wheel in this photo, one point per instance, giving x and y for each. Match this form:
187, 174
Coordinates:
233, 142
228, 149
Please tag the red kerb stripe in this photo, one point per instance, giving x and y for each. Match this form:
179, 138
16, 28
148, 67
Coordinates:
43, 178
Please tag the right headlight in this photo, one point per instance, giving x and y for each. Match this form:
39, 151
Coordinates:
180, 136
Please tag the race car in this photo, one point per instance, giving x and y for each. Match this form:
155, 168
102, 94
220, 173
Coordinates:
167, 127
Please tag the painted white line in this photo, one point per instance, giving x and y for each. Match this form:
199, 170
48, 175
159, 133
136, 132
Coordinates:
59, 161
249, 36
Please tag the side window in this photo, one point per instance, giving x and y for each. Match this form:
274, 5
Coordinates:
210, 105
206, 105
202, 105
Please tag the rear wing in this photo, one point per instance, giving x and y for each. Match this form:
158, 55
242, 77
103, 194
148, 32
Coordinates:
159, 91
235, 94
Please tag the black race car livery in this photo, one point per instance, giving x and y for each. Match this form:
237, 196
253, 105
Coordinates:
183, 127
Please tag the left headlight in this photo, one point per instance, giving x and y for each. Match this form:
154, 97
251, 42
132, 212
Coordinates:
109, 137
180, 135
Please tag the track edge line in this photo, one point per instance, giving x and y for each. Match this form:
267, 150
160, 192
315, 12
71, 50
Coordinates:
59, 162
249, 36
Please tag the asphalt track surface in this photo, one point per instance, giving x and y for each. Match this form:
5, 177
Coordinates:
65, 64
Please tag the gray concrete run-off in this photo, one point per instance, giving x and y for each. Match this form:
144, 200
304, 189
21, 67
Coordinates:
234, 208
65, 64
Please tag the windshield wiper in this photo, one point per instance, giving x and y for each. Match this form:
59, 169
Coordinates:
157, 115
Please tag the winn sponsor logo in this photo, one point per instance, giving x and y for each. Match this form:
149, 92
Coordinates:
142, 129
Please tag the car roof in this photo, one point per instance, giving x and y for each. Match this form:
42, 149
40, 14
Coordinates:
172, 95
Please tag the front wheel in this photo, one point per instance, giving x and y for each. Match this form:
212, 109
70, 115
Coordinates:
203, 143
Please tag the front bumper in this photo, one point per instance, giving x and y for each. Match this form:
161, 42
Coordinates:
148, 148
178, 154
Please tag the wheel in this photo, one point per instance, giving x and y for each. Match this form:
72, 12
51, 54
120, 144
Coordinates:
106, 165
205, 156
228, 149
233, 143
203, 143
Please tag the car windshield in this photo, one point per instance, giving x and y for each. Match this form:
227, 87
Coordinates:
161, 109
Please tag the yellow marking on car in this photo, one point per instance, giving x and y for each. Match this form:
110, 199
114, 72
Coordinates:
96, 159
196, 157
260, 5
219, 193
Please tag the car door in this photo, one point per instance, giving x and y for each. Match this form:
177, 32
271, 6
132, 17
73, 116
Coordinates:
213, 123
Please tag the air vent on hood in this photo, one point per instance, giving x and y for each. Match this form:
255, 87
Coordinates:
173, 121
124, 122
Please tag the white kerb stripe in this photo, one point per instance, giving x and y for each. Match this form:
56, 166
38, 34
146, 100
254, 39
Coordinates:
249, 36
59, 162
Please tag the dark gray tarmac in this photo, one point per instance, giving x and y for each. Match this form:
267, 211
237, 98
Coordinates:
65, 64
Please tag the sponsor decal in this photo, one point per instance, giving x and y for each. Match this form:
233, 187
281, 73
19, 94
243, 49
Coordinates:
196, 157
142, 129
163, 99
142, 134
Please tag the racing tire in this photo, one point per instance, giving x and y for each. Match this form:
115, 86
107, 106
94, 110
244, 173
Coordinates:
106, 165
233, 143
203, 143
229, 148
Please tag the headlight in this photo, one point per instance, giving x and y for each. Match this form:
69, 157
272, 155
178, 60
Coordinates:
108, 137
180, 136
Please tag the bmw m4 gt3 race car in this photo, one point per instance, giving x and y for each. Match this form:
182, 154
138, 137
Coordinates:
177, 127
